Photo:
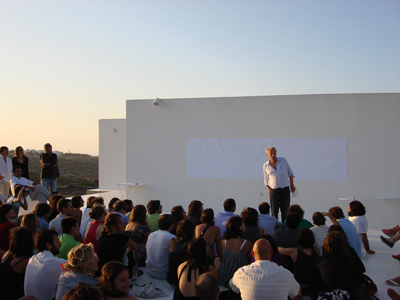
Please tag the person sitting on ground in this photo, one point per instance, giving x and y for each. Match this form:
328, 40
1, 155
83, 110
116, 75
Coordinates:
209, 232
111, 204
114, 282
154, 209
195, 210
157, 248
129, 208
53, 201
195, 265
91, 202
65, 209
266, 221
120, 208
177, 249
320, 230
297, 209
44, 269
206, 287
14, 262
222, 218
138, 226
22, 161
179, 214
357, 217
82, 264
36, 191
235, 250
7, 214
31, 221
19, 201
276, 257
70, 238
83, 291
252, 231
93, 230
42, 211
304, 256
287, 237
77, 202
348, 227
264, 279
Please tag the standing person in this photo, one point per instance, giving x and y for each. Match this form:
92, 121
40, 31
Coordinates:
222, 218
278, 176
5, 171
22, 161
49, 172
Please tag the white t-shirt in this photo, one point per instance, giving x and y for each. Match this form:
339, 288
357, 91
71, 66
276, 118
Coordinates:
360, 223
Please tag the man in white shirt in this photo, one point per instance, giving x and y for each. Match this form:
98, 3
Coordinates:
264, 279
44, 269
5, 171
157, 248
36, 192
222, 218
278, 176
266, 221
64, 207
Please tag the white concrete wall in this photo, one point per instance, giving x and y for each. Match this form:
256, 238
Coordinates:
156, 146
112, 153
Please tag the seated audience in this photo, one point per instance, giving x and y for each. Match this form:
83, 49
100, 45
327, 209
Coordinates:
31, 222
157, 248
222, 218
19, 201
83, 291
7, 214
129, 207
266, 221
82, 264
252, 231
70, 238
120, 208
188, 271
154, 209
263, 279
77, 202
207, 287
320, 230
42, 211
65, 209
235, 251
276, 257
297, 209
195, 210
93, 230
111, 204
36, 191
53, 201
44, 265
21, 161
90, 203
348, 227
177, 249
114, 282
209, 232
287, 237
357, 217
179, 214
14, 262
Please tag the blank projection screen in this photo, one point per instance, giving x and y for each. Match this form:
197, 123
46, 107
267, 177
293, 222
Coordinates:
311, 159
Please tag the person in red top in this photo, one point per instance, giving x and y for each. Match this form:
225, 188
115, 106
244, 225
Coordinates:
6, 216
93, 230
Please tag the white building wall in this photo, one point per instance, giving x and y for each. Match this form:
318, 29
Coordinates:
112, 153
156, 146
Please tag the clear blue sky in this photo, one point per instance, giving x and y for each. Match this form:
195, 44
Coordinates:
66, 64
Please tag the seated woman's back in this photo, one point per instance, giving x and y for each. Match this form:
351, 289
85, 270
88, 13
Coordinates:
188, 276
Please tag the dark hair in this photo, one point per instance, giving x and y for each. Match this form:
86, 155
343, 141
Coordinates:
129, 205
196, 254
19, 148
233, 228
336, 212
41, 209
138, 214
296, 209
15, 168
76, 201
47, 145
195, 207
250, 216
83, 291
53, 201
206, 287
67, 223
318, 218
293, 220
356, 209
17, 189
305, 238
335, 243
153, 206
229, 204
177, 213
97, 212
88, 201
28, 221
207, 216
2, 148
21, 242
111, 220
264, 208
109, 273
4, 209
185, 229
339, 228
165, 221
120, 205
43, 237
272, 242
98, 200
63, 203
111, 203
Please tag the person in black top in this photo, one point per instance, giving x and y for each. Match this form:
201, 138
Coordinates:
195, 210
49, 173
21, 160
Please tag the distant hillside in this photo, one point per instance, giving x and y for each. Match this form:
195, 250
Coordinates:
78, 172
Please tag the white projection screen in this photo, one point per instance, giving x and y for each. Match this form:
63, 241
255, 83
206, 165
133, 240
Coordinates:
311, 159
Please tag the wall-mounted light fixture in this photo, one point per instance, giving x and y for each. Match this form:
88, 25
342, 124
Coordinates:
157, 102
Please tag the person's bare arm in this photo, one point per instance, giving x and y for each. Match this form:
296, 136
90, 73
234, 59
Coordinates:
292, 187
365, 241
333, 220
292, 252
131, 245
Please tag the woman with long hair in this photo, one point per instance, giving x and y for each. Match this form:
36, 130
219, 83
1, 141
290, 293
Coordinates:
209, 232
196, 264
7, 213
81, 266
14, 262
42, 211
31, 221
114, 282
179, 214
93, 229
252, 231
235, 250
22, 161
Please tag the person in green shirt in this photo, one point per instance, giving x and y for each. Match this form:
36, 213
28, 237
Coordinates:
154, 209
71, 236
295, 208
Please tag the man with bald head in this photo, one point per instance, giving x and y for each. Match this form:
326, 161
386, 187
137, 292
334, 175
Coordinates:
264, 279
207, 287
